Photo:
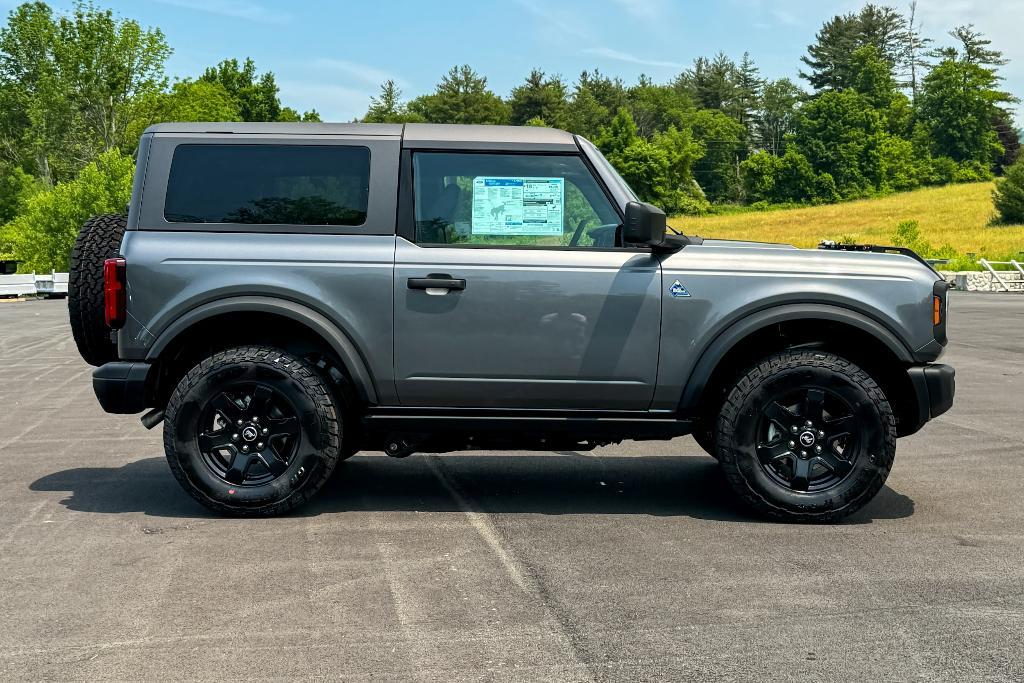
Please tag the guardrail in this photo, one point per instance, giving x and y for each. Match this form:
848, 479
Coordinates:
33, 284
1008, 280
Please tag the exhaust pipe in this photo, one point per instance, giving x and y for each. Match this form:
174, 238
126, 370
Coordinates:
152, 418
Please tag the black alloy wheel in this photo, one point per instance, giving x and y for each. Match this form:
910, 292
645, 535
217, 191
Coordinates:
808, 439
248, 434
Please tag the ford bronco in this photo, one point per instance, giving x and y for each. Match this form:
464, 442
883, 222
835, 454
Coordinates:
282, 296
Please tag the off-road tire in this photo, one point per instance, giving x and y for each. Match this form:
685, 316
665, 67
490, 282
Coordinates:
737, 436
315, 456
98, 239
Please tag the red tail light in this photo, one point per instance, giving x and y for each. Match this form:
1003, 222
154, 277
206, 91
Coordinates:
115, 295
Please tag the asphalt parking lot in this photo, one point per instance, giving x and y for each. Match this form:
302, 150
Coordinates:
628, 563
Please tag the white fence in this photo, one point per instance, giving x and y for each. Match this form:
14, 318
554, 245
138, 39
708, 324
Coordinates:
31, 284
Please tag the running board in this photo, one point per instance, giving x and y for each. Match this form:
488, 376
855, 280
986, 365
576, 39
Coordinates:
580, 424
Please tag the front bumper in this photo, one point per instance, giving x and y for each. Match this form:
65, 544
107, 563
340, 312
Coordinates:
122, 387
934, 386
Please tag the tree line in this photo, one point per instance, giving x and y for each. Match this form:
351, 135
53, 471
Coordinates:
886, 109
878, 107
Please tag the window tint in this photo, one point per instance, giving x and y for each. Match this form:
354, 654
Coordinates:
510, 200
268, 184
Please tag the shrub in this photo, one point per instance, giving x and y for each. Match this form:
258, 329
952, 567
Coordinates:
42, 236
1009, 195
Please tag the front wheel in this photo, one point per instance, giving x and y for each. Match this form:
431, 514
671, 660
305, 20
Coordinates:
252, 431
806, 436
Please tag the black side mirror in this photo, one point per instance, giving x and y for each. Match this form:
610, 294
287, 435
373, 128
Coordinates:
645, 224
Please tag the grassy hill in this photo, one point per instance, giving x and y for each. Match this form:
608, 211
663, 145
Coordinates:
957, 215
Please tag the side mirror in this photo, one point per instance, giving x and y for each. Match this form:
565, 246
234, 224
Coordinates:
645, 224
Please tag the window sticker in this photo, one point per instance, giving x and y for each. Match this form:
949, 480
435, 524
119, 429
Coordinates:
518, 206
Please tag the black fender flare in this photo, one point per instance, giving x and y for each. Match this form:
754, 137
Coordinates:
339, 342
740, 329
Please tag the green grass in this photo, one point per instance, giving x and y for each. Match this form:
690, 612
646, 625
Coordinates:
957, 215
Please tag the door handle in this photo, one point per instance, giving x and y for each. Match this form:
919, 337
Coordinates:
437, 281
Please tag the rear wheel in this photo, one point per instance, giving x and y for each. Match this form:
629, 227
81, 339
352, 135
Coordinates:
252, 431
806, 436
99, 239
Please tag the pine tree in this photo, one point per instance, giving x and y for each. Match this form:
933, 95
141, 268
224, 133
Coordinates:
539, 98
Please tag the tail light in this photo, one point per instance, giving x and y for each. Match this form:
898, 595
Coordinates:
115, 294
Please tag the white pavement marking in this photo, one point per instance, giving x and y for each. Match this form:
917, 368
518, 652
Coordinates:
483, 526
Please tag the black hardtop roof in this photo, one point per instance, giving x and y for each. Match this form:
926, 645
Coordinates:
414, 135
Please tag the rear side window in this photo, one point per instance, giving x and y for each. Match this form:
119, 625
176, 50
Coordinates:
268, 184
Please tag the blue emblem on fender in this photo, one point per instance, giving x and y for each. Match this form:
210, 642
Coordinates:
677, 290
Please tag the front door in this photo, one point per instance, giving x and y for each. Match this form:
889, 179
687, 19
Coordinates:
514, 293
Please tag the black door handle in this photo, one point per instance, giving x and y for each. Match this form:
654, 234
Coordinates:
437, 281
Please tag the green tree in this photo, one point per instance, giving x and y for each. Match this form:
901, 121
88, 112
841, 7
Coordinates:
830, 57
185, 101
255, 94
16, 187
780, 101
656, 108
718, 172
539, 98
957, 105
68, 83
711, 83
585, 115
462, 96
106, 63
1009, 195
610, 93
659, 170
42, 236
839, 132
388, 107
749, 87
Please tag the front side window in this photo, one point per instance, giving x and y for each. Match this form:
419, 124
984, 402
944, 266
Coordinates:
510, 200
268, 184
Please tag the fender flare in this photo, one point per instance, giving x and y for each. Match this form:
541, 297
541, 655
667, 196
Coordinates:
317, 322
737, 331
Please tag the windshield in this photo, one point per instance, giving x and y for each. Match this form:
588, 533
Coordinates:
595, 154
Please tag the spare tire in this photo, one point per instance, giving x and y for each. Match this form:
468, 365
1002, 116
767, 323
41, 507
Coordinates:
98, 240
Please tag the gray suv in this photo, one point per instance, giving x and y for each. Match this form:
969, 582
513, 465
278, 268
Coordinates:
282, 296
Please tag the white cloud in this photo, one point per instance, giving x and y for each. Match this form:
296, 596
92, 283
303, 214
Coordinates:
354, 70
557, 26
644, 9
619, 56
239, 9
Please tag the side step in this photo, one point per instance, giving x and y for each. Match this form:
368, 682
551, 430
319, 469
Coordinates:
514, 429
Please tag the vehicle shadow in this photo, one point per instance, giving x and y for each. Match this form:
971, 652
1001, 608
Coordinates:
548, 484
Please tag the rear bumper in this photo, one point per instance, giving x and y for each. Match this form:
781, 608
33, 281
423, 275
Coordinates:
935, 386
122, 386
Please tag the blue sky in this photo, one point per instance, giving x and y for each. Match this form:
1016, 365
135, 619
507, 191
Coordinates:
333, 55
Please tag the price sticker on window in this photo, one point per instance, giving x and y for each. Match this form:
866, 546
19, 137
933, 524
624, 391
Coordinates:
518, 206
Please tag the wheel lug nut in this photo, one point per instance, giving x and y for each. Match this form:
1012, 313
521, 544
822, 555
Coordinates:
808, 423
265, 430
240, 423
255, 419
821, 434
260, 445
803, 454
792, 443
817, 449
245, 449
234, 437
794, 429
